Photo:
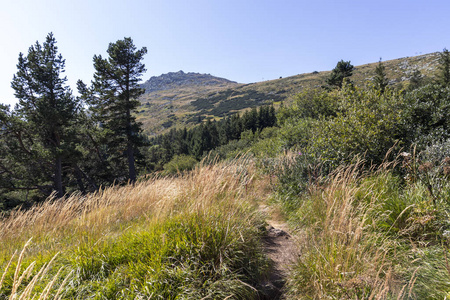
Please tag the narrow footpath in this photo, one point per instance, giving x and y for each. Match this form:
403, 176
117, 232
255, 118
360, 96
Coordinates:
282, 249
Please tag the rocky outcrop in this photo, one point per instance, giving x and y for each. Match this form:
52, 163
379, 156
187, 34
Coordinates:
177, 79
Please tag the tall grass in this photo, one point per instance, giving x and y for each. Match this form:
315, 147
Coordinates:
362, 239
27, 291
191, 236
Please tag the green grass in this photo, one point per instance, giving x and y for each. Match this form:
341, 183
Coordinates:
187, 256
196, 236
369, 235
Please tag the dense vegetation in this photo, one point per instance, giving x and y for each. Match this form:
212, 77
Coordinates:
235, 100
55, 142
362, 174
191, 237
367, 183
185, 145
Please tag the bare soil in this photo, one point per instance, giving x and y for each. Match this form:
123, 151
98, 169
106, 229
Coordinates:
282, 249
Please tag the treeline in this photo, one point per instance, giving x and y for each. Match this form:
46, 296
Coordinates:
198, 141
54, 142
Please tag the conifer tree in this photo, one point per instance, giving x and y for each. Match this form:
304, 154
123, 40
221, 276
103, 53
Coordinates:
343, 69
380, 80
272, 116
225, 131
200, 141
236, 127
213, 133
250, 120
116, 91
46, 105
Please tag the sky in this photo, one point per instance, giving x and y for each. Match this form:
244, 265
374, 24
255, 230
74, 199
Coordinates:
241, 40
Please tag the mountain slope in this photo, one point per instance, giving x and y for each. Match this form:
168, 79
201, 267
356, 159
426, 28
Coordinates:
174, 80
184, 99
168, 97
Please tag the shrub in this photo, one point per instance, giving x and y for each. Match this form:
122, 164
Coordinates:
367, 123
340, 124
426, 115
231, 150
311, 103
434, 170
180, 163
268, 143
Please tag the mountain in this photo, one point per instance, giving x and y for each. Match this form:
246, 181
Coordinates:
185, 99
174, 80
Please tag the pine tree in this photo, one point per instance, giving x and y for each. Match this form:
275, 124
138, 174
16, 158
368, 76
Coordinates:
272, 117
236, 127
225, 131
116, 90
250, 120
213, 133
380, 80
46, 104
263, 117
343, 69
200, 141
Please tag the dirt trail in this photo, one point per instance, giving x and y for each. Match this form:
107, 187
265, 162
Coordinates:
282, 249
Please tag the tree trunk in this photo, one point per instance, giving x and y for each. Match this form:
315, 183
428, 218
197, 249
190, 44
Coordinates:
58, 177
78, 176
130, 150
131, 167
94, 187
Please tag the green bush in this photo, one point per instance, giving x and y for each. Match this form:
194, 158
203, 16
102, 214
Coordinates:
268, 143
426, 115
311, 103
180, 163
368, 123
339, 124
231, 150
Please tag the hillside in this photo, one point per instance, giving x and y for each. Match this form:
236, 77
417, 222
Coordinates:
174, 80
183, 99
168, 96
347, 197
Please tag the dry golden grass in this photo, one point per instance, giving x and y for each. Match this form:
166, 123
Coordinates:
96, 214
60, 225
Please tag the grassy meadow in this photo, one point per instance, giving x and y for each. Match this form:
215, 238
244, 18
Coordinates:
193, 236
363, 233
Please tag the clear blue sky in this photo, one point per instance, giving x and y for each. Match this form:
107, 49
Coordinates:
242, 40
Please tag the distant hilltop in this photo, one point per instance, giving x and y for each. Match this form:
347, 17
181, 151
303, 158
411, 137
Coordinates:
182, 99
178, 79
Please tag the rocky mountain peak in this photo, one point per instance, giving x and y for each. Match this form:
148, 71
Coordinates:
178, 79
